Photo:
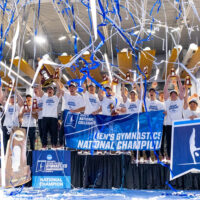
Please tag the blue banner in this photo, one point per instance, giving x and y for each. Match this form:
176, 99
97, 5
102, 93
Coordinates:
122, 132
51, 169
185, 151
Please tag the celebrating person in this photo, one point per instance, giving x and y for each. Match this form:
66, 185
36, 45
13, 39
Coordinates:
12, 111
28, 117
50, 116
174, 108
92, 103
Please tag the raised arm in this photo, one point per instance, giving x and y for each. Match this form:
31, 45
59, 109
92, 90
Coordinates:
59, 92
100, 94
123, 93
19, 99
185, 106
181, 88
166, 92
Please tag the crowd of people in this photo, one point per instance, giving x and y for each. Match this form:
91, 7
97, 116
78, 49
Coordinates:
41, 109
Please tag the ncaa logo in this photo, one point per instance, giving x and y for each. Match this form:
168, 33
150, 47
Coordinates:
49, 157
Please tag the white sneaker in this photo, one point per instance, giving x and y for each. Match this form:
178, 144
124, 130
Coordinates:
141, 161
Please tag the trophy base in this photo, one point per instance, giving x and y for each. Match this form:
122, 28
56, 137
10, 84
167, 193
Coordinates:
173, 77
113, 83
46, 83
104, 82
188, 86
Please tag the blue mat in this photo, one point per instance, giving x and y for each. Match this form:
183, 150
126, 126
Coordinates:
94, 194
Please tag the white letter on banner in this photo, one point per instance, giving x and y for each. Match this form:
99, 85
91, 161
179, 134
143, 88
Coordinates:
119, 147
80, 144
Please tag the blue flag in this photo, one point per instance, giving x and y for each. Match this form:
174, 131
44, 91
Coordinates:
185, 152
122, 132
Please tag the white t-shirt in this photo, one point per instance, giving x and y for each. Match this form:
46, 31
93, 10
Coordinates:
40, 104
120, 104
174, 110
187, 113
154, 105
92, 103
25, 119
105, 103
73, 102
50, 106
133, 107
11, 116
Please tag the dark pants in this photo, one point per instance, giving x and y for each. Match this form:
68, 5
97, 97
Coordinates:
62, 135
40, 128
31, 136
6, 137
50, 124
168, 138
162, 148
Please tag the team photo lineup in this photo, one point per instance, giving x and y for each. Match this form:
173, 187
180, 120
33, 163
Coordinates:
42, 112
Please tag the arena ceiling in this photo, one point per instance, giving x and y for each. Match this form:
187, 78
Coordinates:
175, 23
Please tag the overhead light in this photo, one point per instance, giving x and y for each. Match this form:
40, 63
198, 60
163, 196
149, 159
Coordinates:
40, 39
136, 32
28, 41
147, 49
151, 31
13, 72
8, 44
76, 38
124, 50
64, 54
86, 53
65, 77
62, 38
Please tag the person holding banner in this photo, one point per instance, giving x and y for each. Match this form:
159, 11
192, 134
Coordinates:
153, 104
50, 115
174, 108
92, 103
108, 102
11, 114
133, 105
28, 118
73, 102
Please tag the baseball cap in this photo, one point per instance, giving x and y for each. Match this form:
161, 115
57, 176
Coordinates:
107, 87
133, 91
173, 91
36, 85
72, 83
152, 89
50, 87
91, 84
193, 100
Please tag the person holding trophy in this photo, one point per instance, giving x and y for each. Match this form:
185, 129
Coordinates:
174, 107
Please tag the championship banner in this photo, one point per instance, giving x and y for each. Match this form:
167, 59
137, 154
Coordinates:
51, 169
122, 132
185, 148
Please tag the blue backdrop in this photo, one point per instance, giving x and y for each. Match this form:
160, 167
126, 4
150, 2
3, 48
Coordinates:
122, 132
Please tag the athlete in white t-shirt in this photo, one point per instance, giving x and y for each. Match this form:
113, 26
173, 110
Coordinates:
174, 107
193, 111
74, 102
134, 104
152, 103
11, 112
28, 117
37, 96
108, 102
50, 115
92, 103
